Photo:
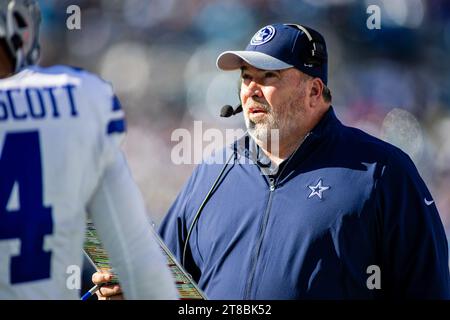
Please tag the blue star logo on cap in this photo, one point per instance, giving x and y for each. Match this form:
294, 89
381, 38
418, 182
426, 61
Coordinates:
262, 36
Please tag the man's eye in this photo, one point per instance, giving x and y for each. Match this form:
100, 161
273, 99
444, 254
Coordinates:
245, 77
270, 74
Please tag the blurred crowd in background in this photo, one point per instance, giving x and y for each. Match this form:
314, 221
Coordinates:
160, 57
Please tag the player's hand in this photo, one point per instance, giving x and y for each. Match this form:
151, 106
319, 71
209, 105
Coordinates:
106, 292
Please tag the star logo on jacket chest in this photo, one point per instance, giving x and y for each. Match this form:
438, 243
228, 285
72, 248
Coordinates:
318, 189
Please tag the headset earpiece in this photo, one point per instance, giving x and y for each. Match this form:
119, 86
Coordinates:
315, 54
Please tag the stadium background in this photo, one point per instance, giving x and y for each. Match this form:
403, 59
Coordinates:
160, 57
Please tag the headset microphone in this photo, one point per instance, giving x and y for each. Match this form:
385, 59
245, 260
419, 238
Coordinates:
238, 109
228, 111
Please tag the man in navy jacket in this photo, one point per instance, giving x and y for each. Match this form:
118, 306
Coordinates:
324, 211
321, 217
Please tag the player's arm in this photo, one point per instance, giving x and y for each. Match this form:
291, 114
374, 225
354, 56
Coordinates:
118, 212
174, 227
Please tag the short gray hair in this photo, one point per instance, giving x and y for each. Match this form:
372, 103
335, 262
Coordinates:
326, 94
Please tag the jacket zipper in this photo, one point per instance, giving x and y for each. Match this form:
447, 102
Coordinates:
261, 232
272, 186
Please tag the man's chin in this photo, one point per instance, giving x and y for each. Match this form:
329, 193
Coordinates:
260, 135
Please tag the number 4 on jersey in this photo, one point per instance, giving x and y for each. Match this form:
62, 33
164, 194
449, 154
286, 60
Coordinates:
20, 163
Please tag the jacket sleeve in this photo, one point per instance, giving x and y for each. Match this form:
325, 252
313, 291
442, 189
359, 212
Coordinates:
415, 261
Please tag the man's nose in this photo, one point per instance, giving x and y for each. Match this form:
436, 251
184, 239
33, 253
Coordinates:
254, 89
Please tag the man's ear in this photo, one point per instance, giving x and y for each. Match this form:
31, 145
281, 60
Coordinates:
315, 93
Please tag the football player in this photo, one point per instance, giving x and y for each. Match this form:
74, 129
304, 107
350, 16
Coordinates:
60, 161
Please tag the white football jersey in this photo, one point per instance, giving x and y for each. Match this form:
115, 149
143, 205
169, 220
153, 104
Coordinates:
60, 160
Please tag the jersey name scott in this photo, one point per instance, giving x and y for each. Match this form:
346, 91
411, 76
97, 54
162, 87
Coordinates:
20, 104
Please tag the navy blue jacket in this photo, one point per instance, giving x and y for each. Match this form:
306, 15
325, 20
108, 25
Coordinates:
312, 229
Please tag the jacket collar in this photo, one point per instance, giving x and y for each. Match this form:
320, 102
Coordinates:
246, 147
